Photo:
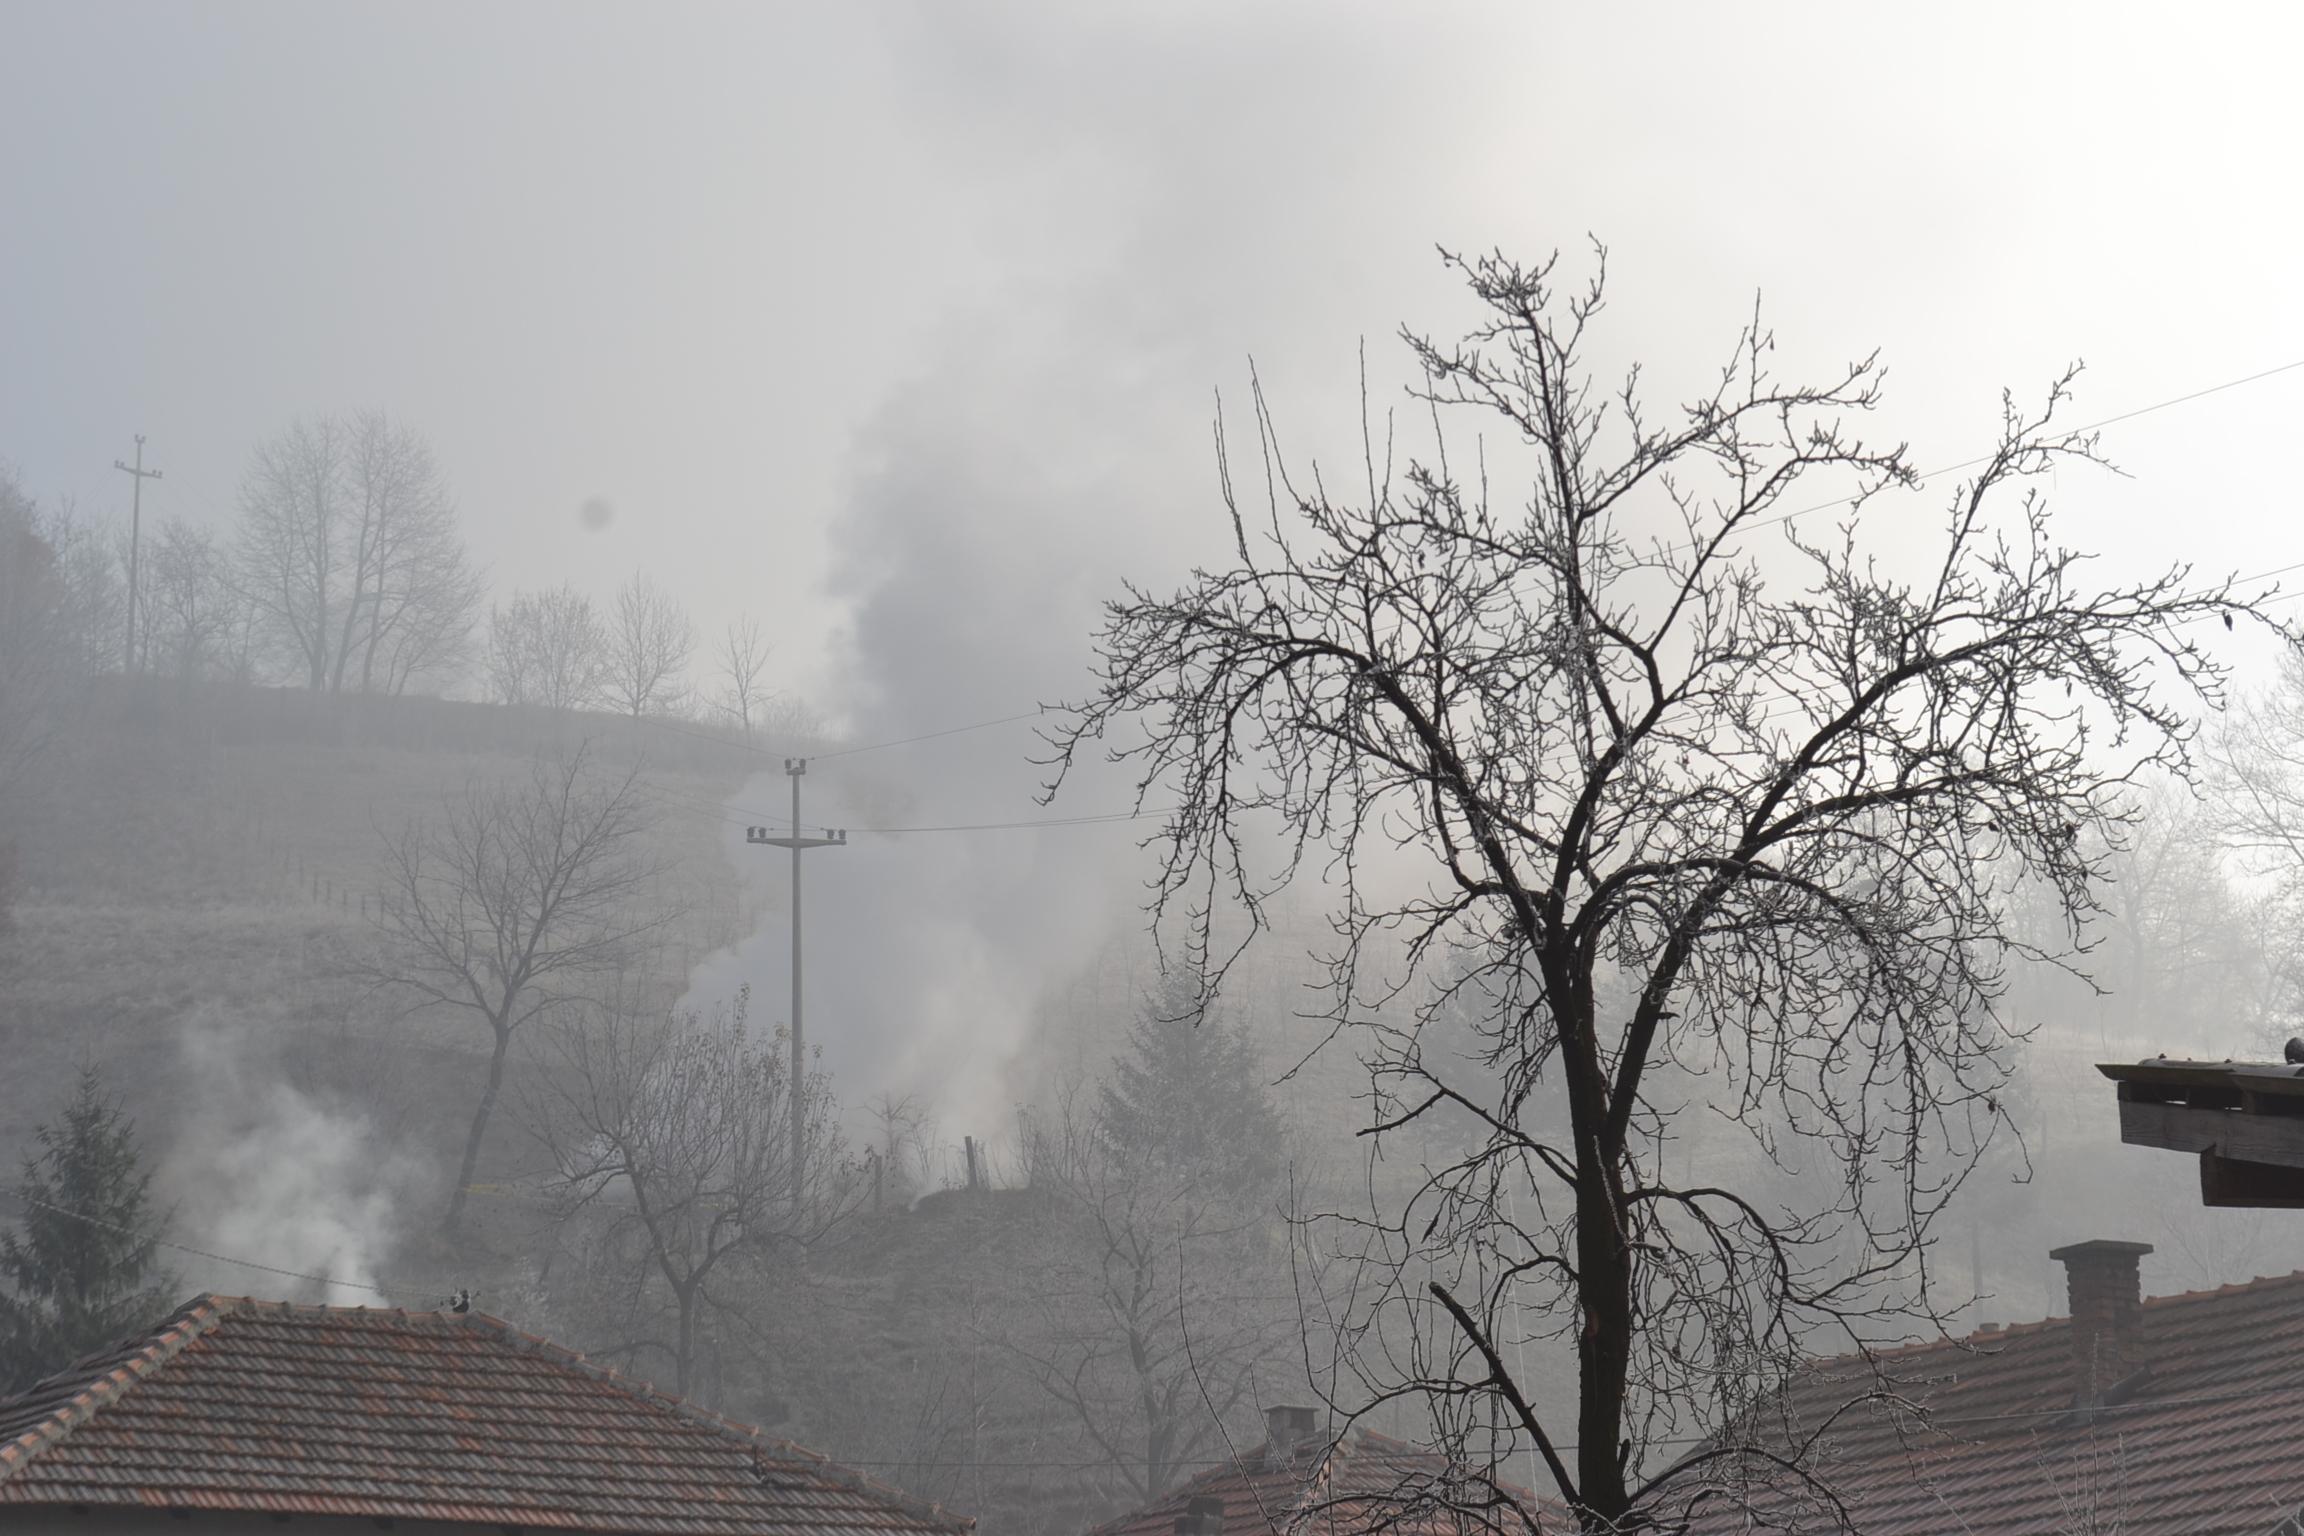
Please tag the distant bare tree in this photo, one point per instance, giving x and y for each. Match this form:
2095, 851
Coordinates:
1689, 812
670, 1138
511, 896
291, 549
348, 549
903, 1138
416, 595
743, 657
49, 640
191, 608
649, 642
547, 648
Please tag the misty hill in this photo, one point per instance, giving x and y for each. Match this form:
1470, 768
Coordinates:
195, 875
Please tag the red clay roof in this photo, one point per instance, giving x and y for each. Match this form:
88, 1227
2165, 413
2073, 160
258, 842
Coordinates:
2212, 1443
1363, 1482
263, 1406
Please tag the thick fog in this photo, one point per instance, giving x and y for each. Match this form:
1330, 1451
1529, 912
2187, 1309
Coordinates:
903, 333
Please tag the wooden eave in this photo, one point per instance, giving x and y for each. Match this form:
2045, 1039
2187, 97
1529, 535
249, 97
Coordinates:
2244, 1120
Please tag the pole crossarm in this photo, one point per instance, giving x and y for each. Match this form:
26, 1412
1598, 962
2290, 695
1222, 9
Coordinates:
835, 837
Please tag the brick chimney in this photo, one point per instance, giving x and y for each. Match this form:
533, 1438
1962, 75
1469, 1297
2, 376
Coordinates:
1204, 1516
1287, 1431
2108, 1353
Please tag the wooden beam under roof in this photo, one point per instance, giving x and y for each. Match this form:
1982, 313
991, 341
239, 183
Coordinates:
2244, 1120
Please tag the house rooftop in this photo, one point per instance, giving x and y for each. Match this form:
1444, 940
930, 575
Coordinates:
2161, 1415
1305, 1482
266, 1407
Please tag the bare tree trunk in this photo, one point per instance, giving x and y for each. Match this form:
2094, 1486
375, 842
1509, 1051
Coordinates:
687, 1351
479, 1131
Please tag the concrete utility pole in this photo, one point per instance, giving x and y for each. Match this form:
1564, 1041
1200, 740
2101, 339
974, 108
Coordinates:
135, 537
796, 768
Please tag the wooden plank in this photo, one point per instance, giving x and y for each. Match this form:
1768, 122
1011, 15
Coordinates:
2233, 1184
2271, 1078
2275, 1139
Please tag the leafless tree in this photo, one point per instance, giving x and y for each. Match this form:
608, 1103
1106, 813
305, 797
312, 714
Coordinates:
743, 658
291, 552
348, 549
649, 641
670, 1137
59, 603
509, 898
415, 593
1694, 807
1162, 1301
191, 610
547, 648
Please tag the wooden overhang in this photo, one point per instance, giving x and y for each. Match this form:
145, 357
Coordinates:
2245, 1120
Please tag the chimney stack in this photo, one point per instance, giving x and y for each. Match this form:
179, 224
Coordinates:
2108, 1355
1204, 1516
1287, 1431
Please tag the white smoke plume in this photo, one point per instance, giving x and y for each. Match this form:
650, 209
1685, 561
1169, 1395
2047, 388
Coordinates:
297, 1194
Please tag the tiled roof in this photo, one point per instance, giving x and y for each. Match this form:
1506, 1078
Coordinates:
2210, 1444
1360, 1483
262, 1406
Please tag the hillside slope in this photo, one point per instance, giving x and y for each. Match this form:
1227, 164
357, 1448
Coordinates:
197, 872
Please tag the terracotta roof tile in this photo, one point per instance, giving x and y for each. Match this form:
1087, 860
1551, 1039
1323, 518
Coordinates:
1361, 1483
2210, 1444
235, 1404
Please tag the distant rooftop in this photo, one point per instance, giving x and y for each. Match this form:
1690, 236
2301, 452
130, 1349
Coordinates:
2195, 1431
250, 1406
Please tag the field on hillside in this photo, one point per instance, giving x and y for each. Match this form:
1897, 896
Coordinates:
198, 874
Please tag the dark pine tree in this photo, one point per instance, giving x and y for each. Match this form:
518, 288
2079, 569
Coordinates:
79, 1271
1186, 1098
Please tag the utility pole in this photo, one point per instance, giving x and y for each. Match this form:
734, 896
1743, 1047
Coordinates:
796, 768
135, 537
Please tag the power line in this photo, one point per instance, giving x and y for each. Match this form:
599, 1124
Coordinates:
905, 741
871, 746
2093, 426
225, 1258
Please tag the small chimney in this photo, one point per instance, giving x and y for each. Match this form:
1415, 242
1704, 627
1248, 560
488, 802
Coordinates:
1287, 1431
1204, 1516
2108, 1355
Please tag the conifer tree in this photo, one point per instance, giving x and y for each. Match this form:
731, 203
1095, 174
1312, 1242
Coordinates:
79, 1271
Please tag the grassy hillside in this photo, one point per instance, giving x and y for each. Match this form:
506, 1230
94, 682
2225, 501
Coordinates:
197, 872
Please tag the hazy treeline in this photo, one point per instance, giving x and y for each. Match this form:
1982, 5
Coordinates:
346, 572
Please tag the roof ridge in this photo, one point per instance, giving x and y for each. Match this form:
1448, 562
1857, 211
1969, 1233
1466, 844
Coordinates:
165, 1342
1966, 1343
748, 1435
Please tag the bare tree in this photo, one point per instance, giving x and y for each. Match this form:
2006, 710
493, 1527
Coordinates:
416, 595
191, 610
649, 641
1691, 813
59, 600
512, 895
1163, 1302
291, 553
743, 658
547, 648
670, 1138
348, 549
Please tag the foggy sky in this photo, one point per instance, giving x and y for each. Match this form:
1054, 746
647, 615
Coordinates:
899, 326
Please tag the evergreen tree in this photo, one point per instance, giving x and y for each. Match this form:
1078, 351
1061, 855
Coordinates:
1160, 1309
79, 1273
1185, 1100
